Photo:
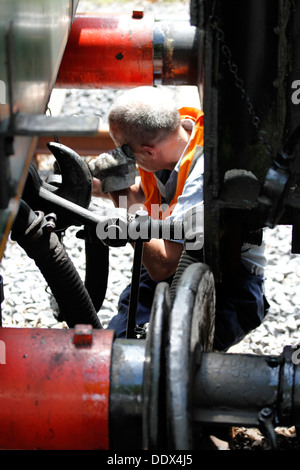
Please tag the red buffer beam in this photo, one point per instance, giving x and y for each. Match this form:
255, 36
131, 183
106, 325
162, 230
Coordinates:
55, 387
119, 51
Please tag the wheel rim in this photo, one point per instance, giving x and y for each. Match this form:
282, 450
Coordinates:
154, 419
191, 327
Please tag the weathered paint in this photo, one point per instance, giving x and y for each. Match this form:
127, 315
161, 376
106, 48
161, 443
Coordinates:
54, 394
108, 50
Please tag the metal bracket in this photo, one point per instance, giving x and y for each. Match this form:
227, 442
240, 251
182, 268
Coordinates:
39, 124
42, 125
266, 418
275, 189
277, 185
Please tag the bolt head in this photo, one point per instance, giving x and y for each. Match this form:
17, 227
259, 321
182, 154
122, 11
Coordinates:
83, 335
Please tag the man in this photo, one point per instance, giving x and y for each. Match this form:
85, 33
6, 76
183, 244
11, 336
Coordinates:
168, 147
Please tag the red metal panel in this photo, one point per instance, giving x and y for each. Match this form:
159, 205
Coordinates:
108, 51
54, 389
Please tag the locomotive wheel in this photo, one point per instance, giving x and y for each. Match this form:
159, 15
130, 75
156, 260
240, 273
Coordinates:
154, 418
191, 328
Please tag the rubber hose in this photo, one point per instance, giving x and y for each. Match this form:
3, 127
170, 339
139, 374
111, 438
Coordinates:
96, 271
51, 258
96, 265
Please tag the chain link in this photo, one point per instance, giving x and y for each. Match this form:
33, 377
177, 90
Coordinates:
239, 83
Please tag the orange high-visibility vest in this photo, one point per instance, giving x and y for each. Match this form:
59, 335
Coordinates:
149, 184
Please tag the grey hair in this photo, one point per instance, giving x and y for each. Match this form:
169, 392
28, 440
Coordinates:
144, 115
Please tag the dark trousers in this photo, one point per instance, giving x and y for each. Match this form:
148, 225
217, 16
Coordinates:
240, 307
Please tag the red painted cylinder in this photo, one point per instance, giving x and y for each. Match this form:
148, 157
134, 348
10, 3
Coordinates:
108, 50
54, 388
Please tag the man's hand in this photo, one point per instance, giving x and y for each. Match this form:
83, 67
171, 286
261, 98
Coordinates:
160, 257
115, 170
97, 190
132, 198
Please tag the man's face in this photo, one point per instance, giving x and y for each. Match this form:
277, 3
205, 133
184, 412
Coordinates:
148, 158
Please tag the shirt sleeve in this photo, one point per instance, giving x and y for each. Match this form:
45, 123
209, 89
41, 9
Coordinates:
192, 195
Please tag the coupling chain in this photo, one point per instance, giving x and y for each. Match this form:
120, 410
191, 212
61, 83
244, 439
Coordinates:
239, 83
